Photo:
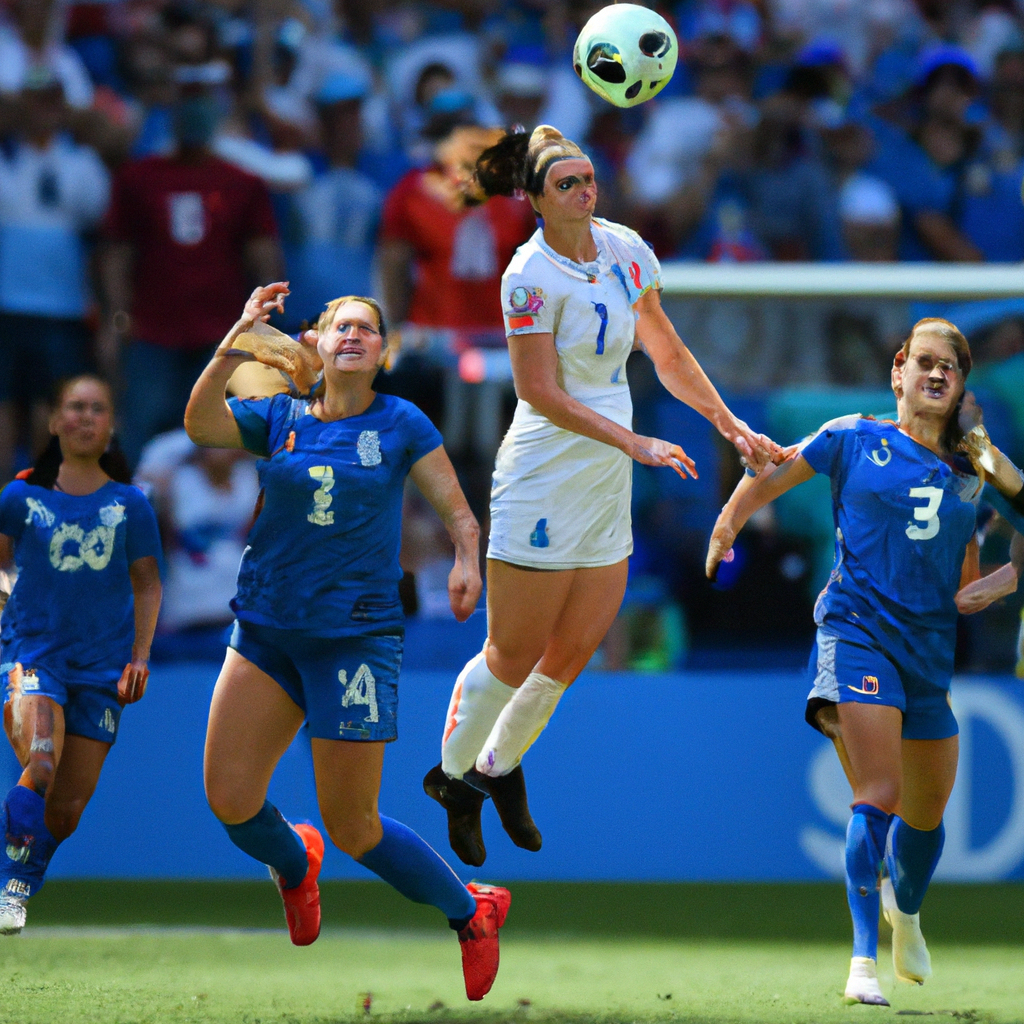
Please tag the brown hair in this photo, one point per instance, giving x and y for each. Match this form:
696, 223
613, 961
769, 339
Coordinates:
952, 334
520, 160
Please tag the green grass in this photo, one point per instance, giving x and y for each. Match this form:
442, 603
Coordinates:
74, 976
99, 952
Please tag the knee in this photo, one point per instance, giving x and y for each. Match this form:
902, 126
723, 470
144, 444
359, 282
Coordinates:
230, 806
62, 817
511, 663
355, 834
881, 793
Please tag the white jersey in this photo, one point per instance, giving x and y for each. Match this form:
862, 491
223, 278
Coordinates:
561, 500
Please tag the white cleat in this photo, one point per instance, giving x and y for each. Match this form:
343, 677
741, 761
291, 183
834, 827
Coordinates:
12, 913
862, 985
910, 958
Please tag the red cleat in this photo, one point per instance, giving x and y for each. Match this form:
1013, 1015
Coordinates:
479, 939
302, 904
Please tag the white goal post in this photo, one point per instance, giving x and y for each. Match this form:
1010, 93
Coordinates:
953, 282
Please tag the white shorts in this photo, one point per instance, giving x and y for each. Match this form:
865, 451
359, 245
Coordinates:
560, 501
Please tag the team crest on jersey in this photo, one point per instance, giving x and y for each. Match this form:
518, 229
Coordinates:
868, 686
523, 303
368, 447
881, 456
38, 513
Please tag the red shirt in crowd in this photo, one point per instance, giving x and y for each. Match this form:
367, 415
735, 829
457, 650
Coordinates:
188, 225
459, 257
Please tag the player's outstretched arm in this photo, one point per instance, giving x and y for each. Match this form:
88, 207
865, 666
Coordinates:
535, 373
435, 476
980, 593
752, 493
145, 578
683, 377
209, 420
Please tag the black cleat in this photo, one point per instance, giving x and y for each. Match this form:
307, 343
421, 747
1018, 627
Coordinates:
463, 803
509, 795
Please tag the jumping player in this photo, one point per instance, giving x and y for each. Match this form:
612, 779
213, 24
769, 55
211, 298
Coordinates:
577, 298
319, 622
76, 631
906, 559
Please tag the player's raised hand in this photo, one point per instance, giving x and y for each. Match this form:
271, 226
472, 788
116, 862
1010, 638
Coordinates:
132, 684
264, 300
651, 451
464, 588
720, 547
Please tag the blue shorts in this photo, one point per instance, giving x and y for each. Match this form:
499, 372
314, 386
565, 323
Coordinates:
844, 672
90, 704
346, 686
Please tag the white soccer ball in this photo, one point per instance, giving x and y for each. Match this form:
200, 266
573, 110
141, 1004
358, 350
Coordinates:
626, 53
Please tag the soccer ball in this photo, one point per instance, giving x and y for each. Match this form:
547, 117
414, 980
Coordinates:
626, 54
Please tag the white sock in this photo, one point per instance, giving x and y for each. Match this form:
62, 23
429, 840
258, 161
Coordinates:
477, 700
519, 724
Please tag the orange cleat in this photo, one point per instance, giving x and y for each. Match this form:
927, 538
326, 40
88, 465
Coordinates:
479, 939
302, 904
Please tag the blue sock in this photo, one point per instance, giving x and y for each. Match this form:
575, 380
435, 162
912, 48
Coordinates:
911, 856
270, 839
865, 848
28, 843
405, 861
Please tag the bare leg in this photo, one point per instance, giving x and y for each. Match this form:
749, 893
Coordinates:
347, 785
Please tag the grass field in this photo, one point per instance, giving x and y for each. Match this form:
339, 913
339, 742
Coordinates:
713, 960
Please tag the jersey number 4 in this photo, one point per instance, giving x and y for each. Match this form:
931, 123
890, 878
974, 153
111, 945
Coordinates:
927, 515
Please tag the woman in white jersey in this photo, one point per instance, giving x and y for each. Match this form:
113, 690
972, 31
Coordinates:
577, 298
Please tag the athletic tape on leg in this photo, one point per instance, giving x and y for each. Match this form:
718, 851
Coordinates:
519, 724
477, 700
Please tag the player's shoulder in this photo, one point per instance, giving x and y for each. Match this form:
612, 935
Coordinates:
130, 495
620, 231
855, 422
400, 410
529, 259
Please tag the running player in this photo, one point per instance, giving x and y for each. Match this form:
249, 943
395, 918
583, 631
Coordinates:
906, 557
319, 622
76, 631
577, 298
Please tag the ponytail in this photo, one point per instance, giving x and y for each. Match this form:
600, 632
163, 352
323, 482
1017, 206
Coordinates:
521, 160
45, 469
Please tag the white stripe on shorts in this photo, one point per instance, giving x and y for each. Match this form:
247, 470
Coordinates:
826, 685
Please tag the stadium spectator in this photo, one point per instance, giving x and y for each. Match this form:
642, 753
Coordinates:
441, 253
331, 232
52, 193
185, 225
34, 39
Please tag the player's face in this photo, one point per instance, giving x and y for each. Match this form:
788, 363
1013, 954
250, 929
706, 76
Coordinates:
570, 191
930, 377
353, 342
84, 420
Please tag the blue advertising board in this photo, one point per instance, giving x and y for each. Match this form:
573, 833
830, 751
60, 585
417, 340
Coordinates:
675, 777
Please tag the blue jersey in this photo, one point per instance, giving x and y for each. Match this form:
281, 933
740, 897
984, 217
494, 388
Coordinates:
322, 556
72, 607
903, 520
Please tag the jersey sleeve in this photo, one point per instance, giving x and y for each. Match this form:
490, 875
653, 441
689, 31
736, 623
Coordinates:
143, 535
527, 306
824, 450
253, 418
12, 509
424, 437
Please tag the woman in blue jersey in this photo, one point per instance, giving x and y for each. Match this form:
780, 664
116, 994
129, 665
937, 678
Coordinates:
319, 621
76, 630
906, 557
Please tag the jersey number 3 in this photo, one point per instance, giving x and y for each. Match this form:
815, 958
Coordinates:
927, 515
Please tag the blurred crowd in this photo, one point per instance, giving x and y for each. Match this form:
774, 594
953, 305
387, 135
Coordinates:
159, 157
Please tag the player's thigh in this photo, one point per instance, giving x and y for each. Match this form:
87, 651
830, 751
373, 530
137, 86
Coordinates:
348, 776
589, 610
871, 735
252, 722
74, 783
523, 606
929, 771
34, 722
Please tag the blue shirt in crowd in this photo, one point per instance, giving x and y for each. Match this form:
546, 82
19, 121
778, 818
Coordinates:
322, 556
72, 608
